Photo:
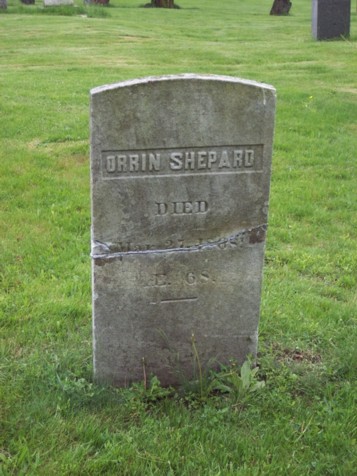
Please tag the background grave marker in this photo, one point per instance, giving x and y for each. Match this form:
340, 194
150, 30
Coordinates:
331, 19
55, 3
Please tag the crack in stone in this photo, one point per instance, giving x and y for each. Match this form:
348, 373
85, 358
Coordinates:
247, 236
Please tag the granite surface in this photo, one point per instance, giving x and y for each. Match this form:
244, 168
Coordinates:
180, 174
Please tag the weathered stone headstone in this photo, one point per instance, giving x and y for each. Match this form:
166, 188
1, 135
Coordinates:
280, 7
180, 173
55, 3
3, 4
96, 2
331, 19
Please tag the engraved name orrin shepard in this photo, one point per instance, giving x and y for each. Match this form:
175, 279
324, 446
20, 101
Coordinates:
230, 159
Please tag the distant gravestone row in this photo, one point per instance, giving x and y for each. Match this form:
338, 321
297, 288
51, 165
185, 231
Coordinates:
180, 174
330, 18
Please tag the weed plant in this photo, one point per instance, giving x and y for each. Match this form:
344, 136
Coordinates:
54, 419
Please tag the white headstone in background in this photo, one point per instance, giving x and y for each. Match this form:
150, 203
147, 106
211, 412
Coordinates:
55, 3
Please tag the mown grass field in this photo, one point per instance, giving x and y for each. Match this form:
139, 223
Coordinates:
54, 419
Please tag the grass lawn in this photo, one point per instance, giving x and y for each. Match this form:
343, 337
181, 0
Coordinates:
54, 419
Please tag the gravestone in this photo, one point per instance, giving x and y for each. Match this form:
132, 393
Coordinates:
180, 174
56, 3
3, 4
331, 19
280, 7
96, 2
163, 3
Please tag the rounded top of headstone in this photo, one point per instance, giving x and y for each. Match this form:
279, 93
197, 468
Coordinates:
182, 77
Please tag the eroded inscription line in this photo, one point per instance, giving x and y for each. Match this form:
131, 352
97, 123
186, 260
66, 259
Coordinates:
179, 299
255, 235
183, 299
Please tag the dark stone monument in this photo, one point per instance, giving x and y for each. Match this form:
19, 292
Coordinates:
163, 3
3, 4
331, 19
280, 7
28, 2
